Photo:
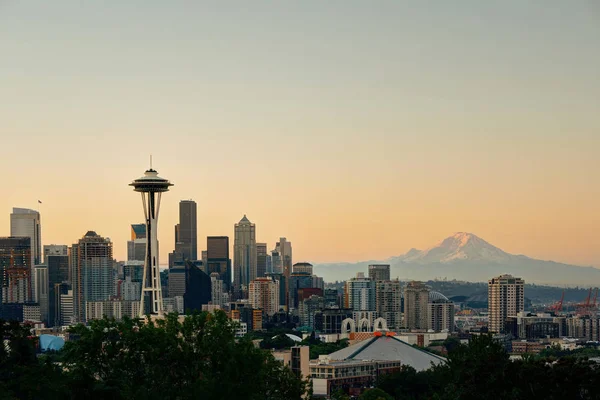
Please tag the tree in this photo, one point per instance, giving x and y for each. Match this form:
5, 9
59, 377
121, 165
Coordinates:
375, 394
168, 359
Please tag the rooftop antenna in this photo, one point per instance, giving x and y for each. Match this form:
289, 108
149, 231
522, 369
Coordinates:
150, 161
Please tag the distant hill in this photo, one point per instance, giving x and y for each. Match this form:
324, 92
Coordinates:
464, 256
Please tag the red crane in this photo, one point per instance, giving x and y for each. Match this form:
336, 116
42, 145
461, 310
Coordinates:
557, 307
589, 305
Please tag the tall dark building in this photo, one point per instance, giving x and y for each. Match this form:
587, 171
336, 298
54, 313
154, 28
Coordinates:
198, 288
58, 272
186, 242
261, 259
217, 259
379, 272
15, 269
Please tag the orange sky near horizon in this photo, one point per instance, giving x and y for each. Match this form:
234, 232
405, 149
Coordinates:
356, 132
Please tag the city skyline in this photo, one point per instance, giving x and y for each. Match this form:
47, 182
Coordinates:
384, 128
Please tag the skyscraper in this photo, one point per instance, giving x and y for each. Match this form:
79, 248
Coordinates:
41, 288
379, 272
244, 252
26, 223
136, 247
15, 269
506, 297
186, 242
359, 293
92, 276
261, 260
217, 259
416, 305
198, 290
284, 248
388, 299
216, 288
57, 260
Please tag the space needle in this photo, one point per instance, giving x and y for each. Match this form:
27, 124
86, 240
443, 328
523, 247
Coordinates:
151, 186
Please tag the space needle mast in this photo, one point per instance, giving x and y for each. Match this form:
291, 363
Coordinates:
151, 186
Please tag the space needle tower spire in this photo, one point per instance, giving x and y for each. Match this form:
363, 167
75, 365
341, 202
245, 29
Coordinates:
151, 186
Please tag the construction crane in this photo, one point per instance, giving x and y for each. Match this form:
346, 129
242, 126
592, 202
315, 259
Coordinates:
588, 306
557, 307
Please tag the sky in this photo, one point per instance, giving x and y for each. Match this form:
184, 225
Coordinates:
356, 129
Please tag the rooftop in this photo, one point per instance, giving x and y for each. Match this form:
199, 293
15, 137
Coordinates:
388, 348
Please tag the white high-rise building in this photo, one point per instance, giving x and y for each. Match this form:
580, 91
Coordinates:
129, 290
244, 252
360, 293
26, 223
506, 297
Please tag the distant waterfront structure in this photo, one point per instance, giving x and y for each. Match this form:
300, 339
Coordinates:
379, 272
416, 305
244, 252
92, 276
151, 187
506, 298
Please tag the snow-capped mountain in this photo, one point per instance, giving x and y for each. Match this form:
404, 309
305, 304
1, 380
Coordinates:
460, 246
464, 256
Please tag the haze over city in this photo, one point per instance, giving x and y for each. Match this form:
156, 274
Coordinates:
356, 130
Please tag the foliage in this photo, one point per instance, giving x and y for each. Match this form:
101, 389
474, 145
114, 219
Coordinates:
482, 369
165, 359
557, 352
22, 374
318, 347
375, 394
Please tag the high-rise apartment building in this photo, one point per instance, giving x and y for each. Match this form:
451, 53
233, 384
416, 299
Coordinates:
261, 260
92, 276
218, 260
244, 252
379, 272
359, 293
302, 267
263, 293
388, 302
441, 313
15, 269
506, 297
416, 305
217, 290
